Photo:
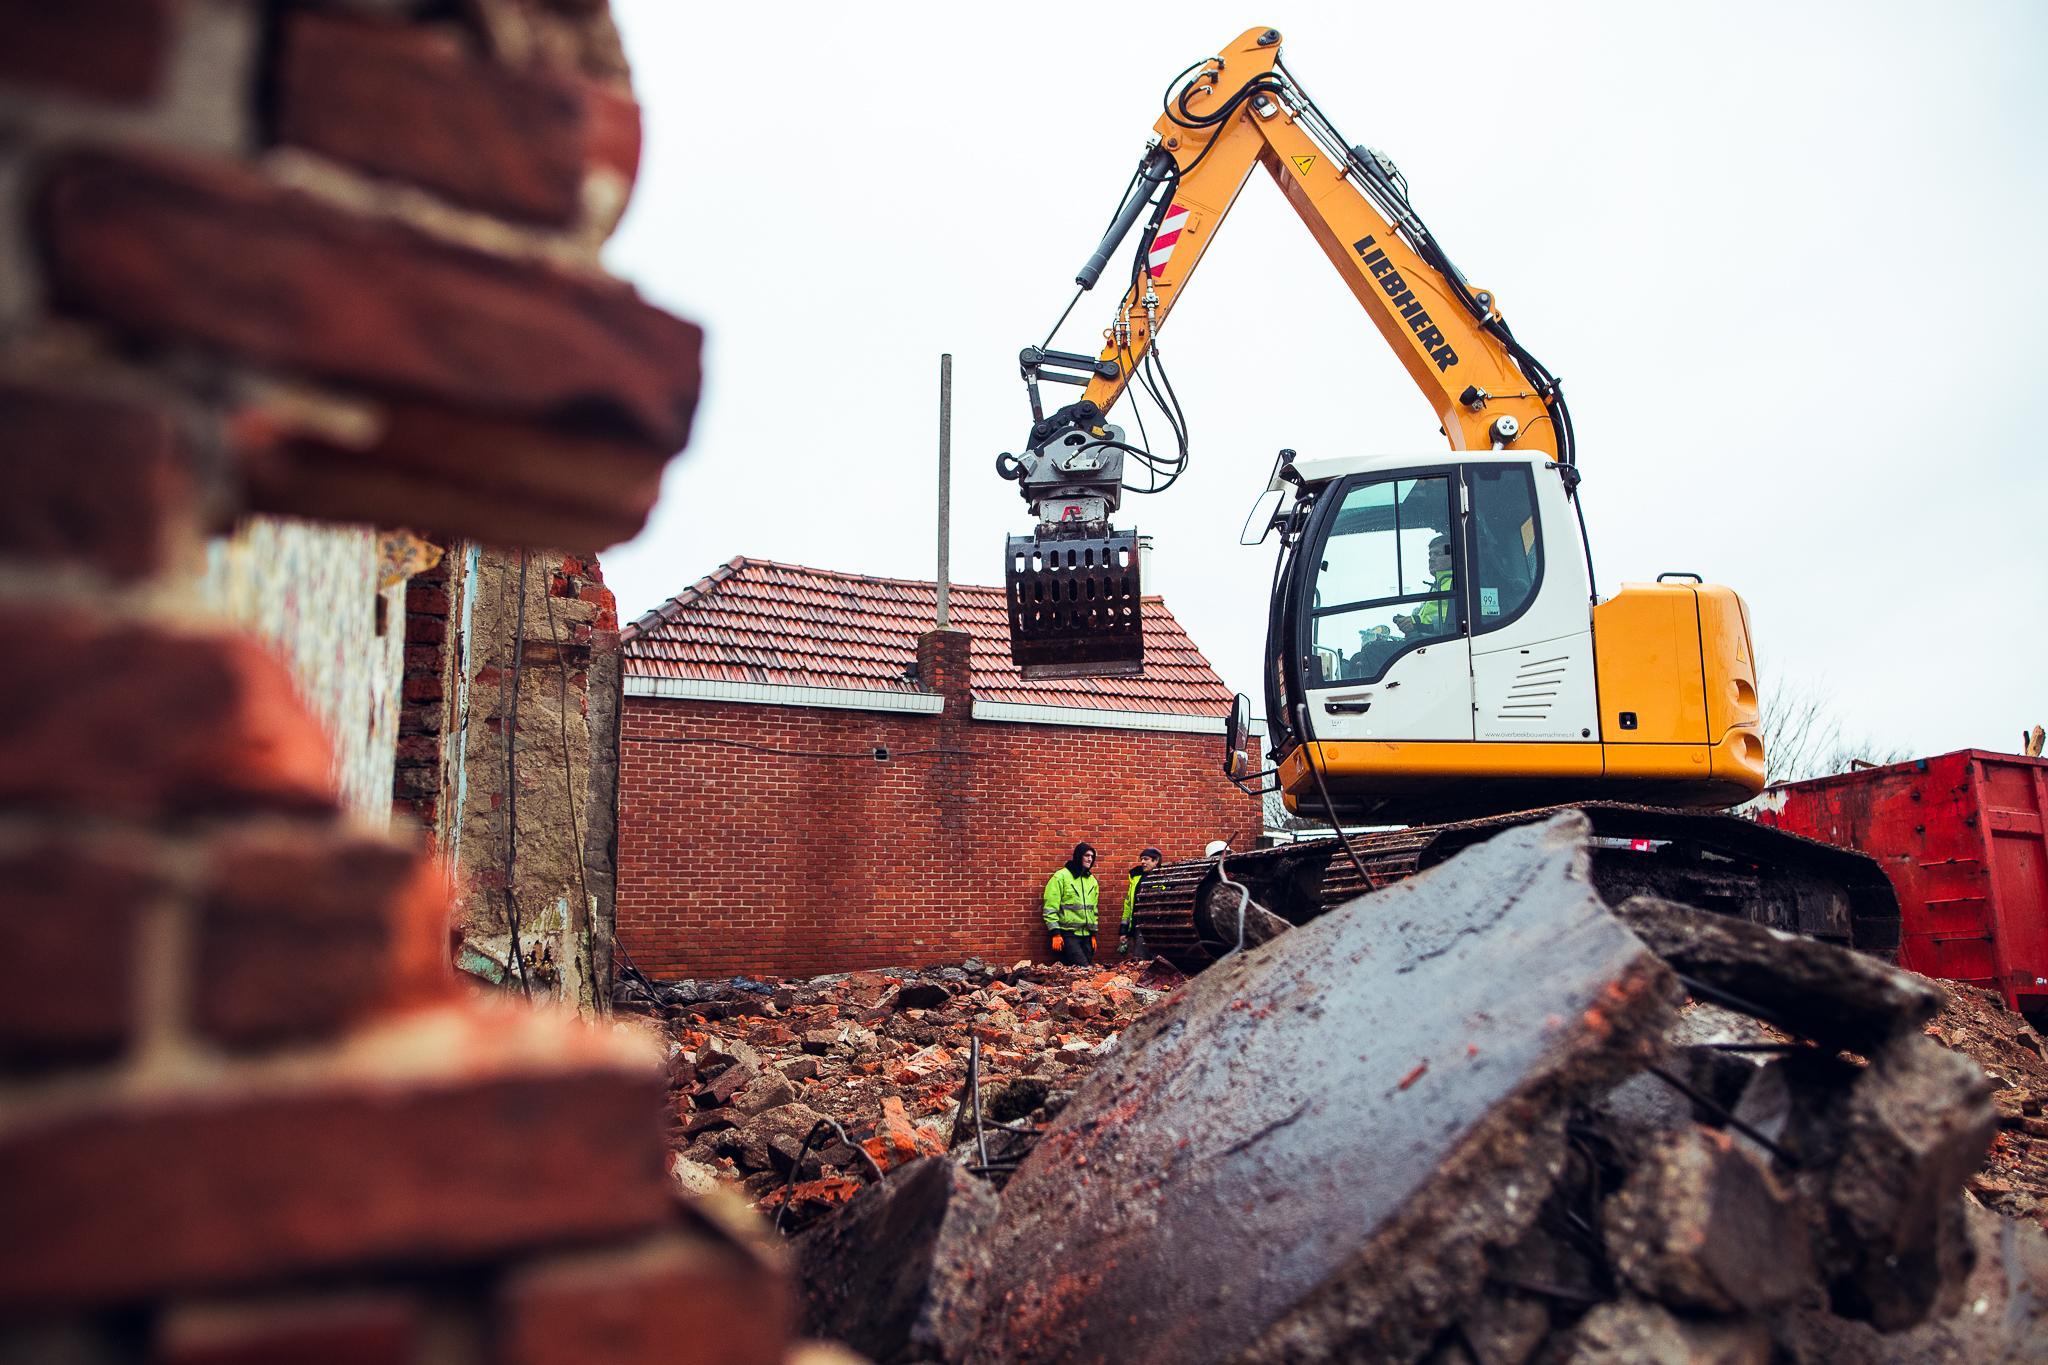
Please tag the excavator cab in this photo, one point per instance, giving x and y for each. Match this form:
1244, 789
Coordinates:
1435, 647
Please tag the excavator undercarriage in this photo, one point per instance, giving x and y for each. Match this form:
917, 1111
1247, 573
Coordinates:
1193, 913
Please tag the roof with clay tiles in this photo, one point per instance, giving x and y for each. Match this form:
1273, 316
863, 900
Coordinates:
759, 621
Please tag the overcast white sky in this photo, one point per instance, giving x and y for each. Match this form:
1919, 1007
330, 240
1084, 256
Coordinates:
1785, 257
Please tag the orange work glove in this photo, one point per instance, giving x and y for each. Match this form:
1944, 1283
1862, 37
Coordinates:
1058, 942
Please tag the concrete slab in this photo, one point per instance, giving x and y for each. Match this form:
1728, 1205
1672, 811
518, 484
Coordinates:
1307, 1153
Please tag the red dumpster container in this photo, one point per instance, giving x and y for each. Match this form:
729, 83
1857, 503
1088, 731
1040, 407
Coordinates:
1960, 836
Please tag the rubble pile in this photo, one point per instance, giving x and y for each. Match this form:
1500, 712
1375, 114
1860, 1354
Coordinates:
1466, 1120
1975, 1022
756, 1068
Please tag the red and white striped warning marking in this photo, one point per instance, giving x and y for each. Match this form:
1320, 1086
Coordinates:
1169, 233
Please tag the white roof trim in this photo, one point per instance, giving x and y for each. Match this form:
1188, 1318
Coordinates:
1100, 719
767, 694
919, 703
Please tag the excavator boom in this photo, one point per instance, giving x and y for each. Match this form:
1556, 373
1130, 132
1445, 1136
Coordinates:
1074, 596
1436, 648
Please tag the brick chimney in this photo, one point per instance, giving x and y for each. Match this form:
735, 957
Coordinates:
942, 667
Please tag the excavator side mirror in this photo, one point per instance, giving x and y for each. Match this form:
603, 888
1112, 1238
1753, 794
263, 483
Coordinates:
1237, 758
1259, 524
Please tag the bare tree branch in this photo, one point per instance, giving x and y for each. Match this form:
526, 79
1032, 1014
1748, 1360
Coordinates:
1803, 735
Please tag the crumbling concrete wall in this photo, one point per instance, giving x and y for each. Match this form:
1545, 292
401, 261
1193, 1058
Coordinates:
525, 813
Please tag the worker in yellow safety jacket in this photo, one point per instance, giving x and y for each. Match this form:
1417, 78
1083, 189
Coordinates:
1071, 898
1434, 616
1133, 944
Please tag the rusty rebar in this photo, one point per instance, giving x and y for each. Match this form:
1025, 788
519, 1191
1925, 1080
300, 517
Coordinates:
1726, 1115
974, 1088
796, 1166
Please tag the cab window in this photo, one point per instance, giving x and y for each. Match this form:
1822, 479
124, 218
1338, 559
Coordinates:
1385, 582
1506, 561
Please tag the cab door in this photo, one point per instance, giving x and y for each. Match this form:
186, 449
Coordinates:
1382, 648
1533, 678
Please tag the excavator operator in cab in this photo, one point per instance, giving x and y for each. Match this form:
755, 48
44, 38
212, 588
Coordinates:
1434, 616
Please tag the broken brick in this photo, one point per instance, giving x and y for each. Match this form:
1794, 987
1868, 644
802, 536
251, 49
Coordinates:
403, 101
113, 50
73, 914
768, 1090
898, 1137
724, 1086
342, 1329
463, 474
707, 1121
509, 1130
613, 142
127, 719
923, 1066
650, 1303
152, 243
91, 480
303, 930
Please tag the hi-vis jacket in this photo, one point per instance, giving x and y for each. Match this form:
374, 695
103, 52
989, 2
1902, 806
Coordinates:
1070, 902
1432, 613
1131, 900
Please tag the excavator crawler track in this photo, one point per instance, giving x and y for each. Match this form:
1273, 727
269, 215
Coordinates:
1721, 863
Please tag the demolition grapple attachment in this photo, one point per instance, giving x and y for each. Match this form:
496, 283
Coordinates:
1076, 610
1075, 605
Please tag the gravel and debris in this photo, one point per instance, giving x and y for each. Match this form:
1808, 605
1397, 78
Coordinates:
1974, 1022
757, 1067
1780, 1181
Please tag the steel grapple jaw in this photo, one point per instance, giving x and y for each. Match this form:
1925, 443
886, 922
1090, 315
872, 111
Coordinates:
1076, 606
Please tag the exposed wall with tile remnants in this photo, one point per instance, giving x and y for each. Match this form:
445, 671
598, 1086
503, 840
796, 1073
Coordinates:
536, 635
316, 593
457, 759
338, 261
801, 840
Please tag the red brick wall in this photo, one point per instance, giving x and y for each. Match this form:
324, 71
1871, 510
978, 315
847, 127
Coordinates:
249, 1115
416, 783
744, 848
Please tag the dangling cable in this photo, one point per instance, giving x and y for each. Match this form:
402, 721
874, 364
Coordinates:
1068, 312
1308, 756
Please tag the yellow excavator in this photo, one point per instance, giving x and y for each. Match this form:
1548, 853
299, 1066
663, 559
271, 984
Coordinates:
1435, 648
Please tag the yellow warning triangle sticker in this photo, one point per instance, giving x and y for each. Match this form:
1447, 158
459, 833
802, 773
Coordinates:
1303, 164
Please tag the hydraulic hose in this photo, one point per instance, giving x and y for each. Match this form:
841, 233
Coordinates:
1151, 171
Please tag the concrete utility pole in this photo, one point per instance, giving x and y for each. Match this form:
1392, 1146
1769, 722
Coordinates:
945, 482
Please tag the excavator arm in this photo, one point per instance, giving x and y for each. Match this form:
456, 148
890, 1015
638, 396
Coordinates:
1074, 597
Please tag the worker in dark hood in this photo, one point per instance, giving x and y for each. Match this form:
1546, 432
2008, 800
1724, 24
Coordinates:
1133, 942
1071, 897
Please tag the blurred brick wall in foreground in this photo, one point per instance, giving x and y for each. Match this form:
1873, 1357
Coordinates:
338, 261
